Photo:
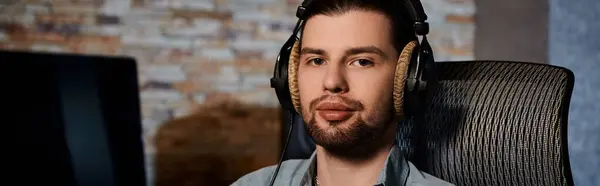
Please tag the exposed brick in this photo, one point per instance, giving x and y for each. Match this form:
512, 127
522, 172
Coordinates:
232, 87
104, 30
181, 111
62, 24
191, 87
236, 6
156, 85
256, 45
143, 54
227, 80
49, 48
161, 95
115, 7
25, 20
141, 31
211, 97
202, 69
213, 42
137, 3
271, 55
252, 15
199, 27
147, 18
189, 59
36, 9
262, 97
173, 105
107, 20
169, 73
241, 31
157, 4
256, 79
249, 55
200, 97
172, 56
193, 14
221, 5
44, 37
219, 54
74, 8
193, 4
7, 3
14, 30
255, 66
149, 125
96, 3
94, 44
241, 25
460, 19
14, 46
274, 31
162, 115
157, 41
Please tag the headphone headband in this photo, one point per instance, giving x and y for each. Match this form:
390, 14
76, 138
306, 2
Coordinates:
414, 8
302, 8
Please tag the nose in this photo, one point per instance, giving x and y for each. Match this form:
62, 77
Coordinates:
334, 81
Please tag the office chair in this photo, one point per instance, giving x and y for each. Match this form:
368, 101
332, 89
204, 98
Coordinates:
489, 123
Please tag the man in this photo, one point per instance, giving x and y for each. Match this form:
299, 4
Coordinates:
348, 55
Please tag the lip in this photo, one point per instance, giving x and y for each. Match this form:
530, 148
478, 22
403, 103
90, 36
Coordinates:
334, 111
328, 106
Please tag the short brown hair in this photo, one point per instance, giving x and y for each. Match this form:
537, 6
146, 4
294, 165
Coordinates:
402, 26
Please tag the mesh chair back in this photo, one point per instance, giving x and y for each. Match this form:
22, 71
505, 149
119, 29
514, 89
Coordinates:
494, 123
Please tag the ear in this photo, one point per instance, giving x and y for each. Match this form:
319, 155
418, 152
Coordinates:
400, 77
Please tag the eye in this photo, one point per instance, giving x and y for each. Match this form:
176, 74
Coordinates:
316, 61
363, 62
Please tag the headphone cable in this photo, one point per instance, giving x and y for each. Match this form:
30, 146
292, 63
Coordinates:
290, 115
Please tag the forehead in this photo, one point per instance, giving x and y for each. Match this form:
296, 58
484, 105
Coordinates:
353, 28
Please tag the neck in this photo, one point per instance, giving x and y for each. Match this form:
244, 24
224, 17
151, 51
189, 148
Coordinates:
332, 170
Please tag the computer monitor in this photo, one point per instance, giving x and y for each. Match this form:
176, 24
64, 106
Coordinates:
70, 120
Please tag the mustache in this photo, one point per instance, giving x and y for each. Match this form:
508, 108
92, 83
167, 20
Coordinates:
351, 103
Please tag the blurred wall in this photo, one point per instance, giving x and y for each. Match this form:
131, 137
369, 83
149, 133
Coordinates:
513, 30
575, 44
190, 51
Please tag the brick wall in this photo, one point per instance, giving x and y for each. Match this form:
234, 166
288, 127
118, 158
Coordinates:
190, 51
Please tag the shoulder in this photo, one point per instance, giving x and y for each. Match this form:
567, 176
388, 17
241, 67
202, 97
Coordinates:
290, 172
419, 178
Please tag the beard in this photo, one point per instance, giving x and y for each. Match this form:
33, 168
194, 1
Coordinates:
356, 138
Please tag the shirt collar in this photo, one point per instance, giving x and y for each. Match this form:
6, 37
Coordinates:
395, 165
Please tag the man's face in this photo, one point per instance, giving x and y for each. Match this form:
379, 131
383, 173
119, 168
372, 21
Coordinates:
345, 78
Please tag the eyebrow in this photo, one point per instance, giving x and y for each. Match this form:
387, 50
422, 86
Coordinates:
365, 49
348, 52
308, 50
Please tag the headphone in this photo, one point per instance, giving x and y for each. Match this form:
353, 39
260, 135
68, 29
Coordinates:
413, 77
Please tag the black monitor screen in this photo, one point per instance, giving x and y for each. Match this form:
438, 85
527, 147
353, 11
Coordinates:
70, 120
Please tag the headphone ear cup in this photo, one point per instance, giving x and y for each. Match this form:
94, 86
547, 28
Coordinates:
293, 76
402, 65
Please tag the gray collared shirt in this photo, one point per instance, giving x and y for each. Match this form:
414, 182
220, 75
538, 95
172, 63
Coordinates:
397, 172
